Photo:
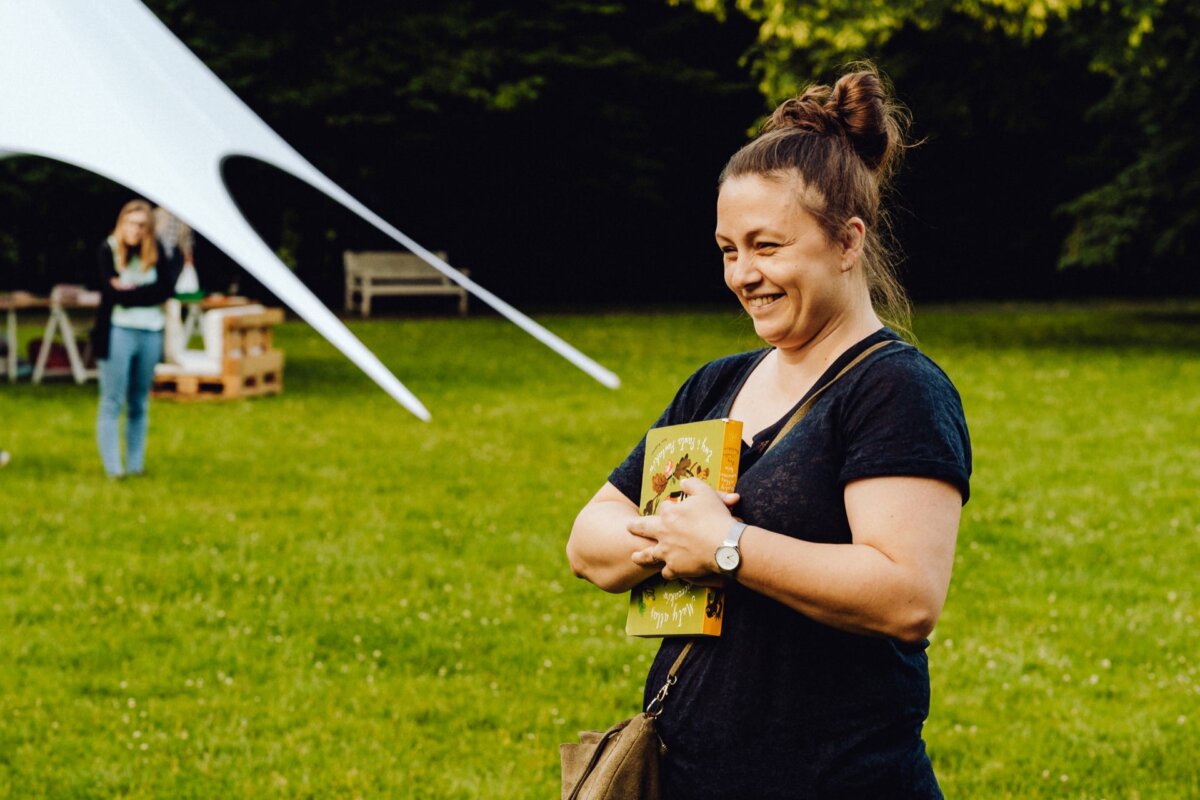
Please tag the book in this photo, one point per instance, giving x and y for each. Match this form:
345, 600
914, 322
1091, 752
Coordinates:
708, 450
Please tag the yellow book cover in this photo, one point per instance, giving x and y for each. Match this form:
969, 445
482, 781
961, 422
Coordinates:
708, 450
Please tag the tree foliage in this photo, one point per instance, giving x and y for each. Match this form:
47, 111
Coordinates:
1143, 209
1151, 204
533, 140
796, 36
550, 145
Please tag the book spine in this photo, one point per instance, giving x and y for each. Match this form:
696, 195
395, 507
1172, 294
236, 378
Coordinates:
731, 454
712, 624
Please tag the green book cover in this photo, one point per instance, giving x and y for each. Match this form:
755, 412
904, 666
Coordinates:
708, 450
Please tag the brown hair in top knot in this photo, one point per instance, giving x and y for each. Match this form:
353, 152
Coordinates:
843, 143
873, 124
856, 107
809, 111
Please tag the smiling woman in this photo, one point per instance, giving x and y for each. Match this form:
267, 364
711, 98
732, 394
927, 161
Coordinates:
843, 529
793, 281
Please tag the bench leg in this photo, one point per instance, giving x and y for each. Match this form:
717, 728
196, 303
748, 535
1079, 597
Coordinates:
366, 302
462, 305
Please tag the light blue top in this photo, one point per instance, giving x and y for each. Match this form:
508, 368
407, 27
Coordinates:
142, 318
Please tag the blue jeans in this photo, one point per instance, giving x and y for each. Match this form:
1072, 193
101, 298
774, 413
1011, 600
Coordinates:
125, 379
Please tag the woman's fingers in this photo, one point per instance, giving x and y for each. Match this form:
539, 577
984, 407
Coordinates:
694, 486
646, 557
645, 527
682, 536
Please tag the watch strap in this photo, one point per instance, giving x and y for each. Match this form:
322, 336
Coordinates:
734, 537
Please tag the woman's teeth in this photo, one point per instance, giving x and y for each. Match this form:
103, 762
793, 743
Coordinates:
763, 300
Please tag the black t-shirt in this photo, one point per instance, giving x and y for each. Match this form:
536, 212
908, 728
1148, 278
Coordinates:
781, 706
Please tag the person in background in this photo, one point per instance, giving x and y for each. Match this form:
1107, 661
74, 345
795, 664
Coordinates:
174, 234
837, 548
136, 278
176, 237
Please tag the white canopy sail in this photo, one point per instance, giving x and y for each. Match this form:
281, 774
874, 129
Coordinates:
68, 69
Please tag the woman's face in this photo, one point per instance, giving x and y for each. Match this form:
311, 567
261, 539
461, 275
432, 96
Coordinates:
133, 227
793, 282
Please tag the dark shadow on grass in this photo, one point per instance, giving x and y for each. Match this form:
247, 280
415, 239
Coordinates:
1191, 318
1173, 326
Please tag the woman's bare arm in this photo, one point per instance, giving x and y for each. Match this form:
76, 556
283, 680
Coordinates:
600, 545
891, 580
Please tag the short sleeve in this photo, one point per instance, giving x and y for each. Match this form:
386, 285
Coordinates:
628, 474
906, 418
701, 396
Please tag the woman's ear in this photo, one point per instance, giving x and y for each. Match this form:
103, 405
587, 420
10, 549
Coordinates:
854, 237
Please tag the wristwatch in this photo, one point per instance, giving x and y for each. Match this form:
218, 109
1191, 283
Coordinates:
728, 555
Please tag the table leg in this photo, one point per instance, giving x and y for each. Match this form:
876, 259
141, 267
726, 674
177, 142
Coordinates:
44, 351
11, 336
78, 369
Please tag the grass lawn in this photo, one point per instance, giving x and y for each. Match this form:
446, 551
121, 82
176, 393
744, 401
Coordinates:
317, 595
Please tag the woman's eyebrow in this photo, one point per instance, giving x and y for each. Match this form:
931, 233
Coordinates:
753, 234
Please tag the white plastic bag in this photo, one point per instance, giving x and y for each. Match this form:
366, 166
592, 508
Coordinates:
189, 281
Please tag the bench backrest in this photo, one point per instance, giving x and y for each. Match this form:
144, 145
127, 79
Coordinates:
390, 264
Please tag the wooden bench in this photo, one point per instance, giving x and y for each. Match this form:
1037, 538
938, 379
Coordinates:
377, 273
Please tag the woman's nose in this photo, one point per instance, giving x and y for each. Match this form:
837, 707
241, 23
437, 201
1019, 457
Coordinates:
742, 270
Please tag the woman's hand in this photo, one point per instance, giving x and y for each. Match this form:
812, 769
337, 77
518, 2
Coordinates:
120, 285
683, 536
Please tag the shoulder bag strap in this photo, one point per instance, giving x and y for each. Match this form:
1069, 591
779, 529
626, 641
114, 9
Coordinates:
802, 411
672, 678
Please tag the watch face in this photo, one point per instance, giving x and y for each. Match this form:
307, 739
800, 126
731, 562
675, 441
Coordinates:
728, 558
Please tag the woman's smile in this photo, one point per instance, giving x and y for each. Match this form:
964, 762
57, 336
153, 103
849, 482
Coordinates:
762, 300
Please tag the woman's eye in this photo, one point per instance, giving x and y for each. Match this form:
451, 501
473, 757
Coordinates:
767, 245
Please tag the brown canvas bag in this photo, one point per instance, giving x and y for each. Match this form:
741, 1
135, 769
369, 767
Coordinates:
621, 763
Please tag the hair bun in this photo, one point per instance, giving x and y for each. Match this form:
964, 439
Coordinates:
856, 107
861, 102
810, 111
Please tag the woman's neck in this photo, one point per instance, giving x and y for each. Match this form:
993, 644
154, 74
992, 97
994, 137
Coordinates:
815, 355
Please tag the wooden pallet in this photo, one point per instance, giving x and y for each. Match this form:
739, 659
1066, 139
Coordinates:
249, 365
256, 376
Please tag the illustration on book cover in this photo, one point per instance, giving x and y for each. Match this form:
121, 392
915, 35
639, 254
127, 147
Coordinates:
707, 450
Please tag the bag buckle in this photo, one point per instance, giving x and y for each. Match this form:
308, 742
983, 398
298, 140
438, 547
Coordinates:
660, 697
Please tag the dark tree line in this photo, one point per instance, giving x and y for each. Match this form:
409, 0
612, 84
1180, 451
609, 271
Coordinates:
566, 150
1069, 127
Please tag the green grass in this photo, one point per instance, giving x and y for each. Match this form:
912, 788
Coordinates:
316, 595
